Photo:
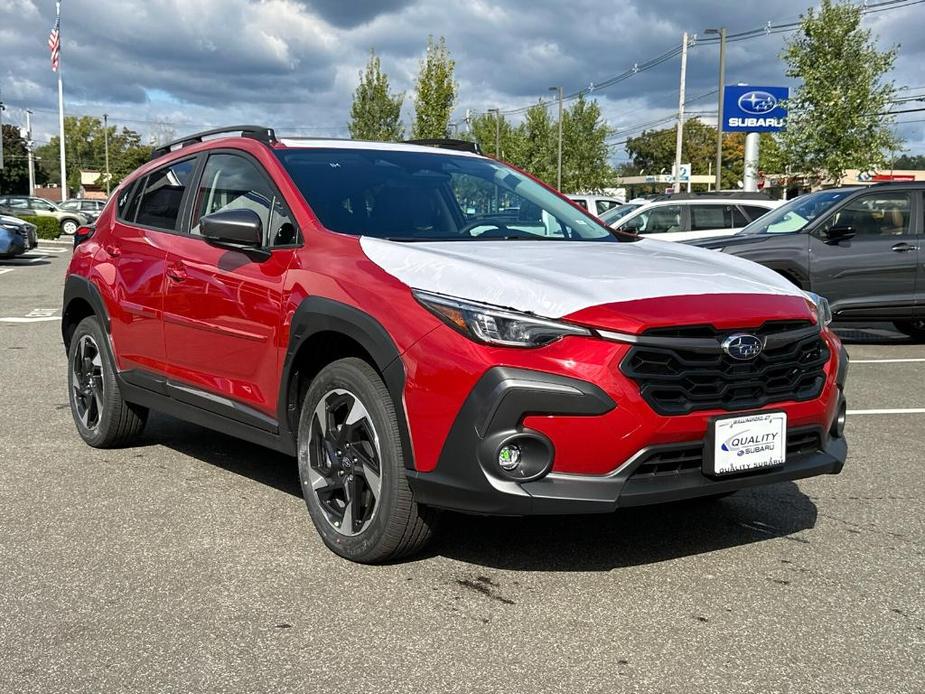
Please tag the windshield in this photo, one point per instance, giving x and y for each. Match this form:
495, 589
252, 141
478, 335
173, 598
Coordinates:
615, 213
796, 214
422, 196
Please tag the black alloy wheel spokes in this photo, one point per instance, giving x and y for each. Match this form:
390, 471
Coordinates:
87, 382
344, 461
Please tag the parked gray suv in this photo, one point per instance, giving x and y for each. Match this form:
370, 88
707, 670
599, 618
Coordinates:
25, 205
859, 247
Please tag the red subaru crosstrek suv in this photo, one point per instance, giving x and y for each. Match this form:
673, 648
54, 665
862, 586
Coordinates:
426, 328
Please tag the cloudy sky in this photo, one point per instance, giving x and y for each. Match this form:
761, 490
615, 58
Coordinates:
181, 65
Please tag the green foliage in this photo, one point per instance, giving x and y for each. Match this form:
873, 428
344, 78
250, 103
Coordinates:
435, 92
46, 227
14, 178
908, 161
532, 144
485, 129
834, 122
539, 149
84, 141
375, 114
654, 151
585, 165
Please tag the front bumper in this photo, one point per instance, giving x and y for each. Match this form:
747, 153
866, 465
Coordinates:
467, 479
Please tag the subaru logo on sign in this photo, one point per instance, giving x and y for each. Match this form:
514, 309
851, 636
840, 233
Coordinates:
742, 346
757, 102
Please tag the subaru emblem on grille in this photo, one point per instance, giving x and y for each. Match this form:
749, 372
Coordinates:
742, 346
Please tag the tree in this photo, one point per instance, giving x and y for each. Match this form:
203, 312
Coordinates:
585, 157
835, 119
84, 144
539, 144
14, 177
435, 92
909, 161
485, 129
654, 152
375, 114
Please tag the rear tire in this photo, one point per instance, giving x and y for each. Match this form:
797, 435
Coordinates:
103, 418
352, 467
913, 328
69, 227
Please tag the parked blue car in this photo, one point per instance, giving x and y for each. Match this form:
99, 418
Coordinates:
16, 236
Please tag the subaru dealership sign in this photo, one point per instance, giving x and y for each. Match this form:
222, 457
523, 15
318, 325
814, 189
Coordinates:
754, 109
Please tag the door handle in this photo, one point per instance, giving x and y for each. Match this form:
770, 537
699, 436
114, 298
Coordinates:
177, 272
904, 248
113, 251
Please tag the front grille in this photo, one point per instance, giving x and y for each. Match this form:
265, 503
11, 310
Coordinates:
686, 370
672, 461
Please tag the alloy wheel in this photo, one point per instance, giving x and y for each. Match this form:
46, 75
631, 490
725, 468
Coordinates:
344, 468
69, 227
87, 382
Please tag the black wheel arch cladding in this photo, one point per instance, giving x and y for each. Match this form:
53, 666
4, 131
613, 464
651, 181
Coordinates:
319, 314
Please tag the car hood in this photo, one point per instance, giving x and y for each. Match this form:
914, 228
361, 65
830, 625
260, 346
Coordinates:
12, 221
559, 278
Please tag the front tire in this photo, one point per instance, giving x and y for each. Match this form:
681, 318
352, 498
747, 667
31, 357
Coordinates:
69, 227
351, 467
913, 328
103, 418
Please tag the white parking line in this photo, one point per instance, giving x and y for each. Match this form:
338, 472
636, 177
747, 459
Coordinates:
885, 361
908, 410
29, 320
6, 270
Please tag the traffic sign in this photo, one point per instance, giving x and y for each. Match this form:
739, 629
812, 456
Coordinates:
754, 109
685, 174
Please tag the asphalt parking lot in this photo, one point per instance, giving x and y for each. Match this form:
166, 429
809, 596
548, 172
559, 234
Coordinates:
188, 563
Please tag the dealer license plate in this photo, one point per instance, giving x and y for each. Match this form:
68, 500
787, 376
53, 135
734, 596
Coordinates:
748, 442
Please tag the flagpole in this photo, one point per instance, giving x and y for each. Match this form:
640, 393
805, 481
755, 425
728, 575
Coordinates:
61, 113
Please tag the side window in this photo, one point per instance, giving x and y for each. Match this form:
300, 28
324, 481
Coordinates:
158, 202
604, 205
17, 203
37, 204
707, 217
581, 202
657, 220
231, 182
884, 214
754, 211
739, 218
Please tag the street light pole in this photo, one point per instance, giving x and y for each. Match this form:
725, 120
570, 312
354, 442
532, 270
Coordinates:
106, 146
719, 103
31, 156
679, 138
558, 91
2, 108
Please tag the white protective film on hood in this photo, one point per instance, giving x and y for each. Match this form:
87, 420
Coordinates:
558, 278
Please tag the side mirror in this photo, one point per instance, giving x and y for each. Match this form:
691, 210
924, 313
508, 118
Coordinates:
839, 233
239, 230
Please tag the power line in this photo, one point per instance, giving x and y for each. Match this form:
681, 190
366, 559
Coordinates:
767, 30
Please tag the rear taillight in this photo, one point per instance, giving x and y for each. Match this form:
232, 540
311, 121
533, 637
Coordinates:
83, 233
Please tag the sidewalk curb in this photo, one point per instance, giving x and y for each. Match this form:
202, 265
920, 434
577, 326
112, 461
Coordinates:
57, 242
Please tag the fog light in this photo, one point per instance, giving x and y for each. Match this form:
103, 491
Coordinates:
509, 457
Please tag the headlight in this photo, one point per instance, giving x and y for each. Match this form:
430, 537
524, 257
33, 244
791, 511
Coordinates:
821, 305
495, 326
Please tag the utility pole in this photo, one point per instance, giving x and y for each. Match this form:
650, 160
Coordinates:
680, 136
106, 148
558, 91
29, 152
719, 103
2, 108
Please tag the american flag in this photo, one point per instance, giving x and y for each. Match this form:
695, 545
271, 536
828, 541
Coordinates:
54, 41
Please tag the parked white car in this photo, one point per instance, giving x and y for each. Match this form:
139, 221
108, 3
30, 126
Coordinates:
595, 204
684, 217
